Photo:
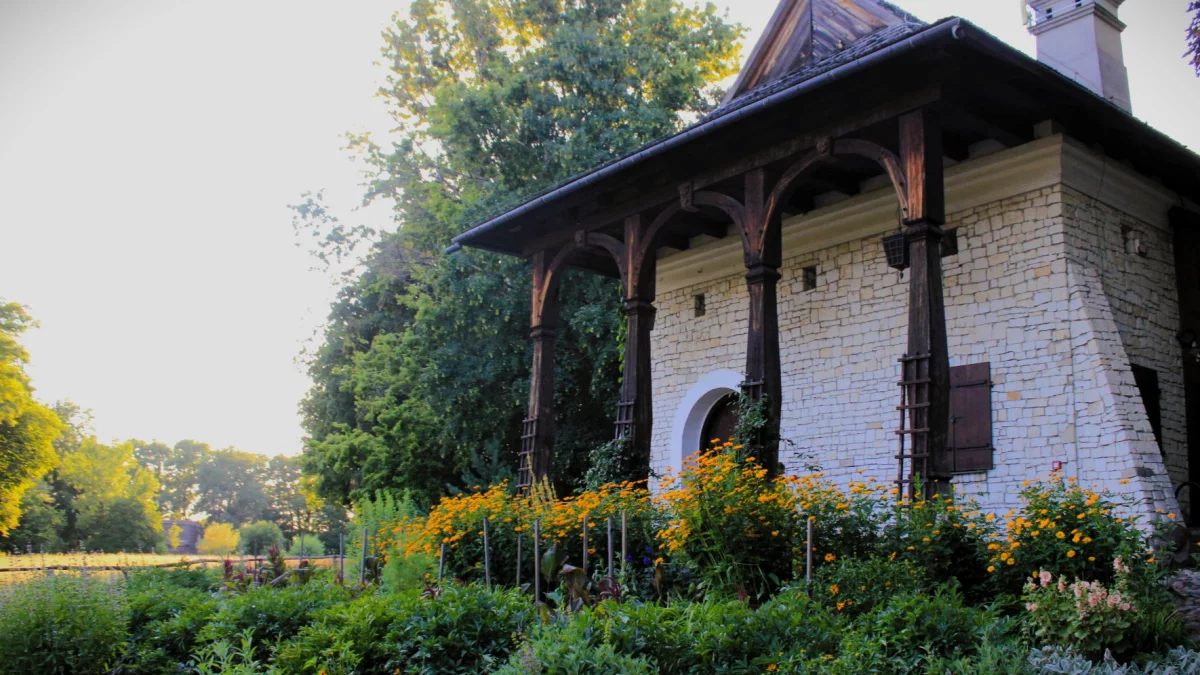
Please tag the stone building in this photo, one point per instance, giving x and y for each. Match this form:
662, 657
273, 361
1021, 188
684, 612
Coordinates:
1038, 309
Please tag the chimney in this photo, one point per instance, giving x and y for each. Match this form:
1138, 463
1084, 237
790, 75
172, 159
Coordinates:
1082, 40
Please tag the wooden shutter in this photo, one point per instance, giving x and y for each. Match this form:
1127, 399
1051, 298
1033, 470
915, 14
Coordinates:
970, 442
1147, 384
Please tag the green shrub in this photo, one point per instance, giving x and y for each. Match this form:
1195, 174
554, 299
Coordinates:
946, 538
464, 630
218, 539
270, 613
1085, 616
347, 638
68, 624
407, 572
855, 587
912, 630
550, 656
1057, 660
312, 545
1069, 531
257, 538
166, 611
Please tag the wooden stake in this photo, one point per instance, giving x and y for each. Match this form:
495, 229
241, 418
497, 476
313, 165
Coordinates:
624, 543
585, 547
808, 559
441, 564
487, 558
537, 561
610, 549
362, 560
518, 584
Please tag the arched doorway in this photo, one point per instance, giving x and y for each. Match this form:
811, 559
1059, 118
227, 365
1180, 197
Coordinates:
692, 414
721, 420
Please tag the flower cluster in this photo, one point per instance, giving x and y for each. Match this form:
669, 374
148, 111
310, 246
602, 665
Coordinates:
1085, 615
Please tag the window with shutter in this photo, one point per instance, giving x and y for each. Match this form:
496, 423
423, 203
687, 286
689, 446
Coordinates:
1146, 380
970, 441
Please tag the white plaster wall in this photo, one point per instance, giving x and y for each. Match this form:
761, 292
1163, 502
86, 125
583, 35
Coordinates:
1017, 295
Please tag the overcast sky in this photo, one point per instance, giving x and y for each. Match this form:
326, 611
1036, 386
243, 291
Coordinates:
148, 149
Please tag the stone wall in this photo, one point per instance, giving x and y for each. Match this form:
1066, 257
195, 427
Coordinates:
1014, 297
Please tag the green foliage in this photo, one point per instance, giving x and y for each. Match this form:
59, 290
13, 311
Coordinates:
1058, 660
312, 545
27, 428
462, 630
270, 613
551, 656
1085, 616
345, 639
912, 630
257, 538
425, 358
408, 572
611, 462
1073, 532
41, 521
229, 487
218, 539
1193, 36
863, 585
61, 624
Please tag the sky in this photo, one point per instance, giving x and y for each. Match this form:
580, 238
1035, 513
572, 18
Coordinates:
149, 149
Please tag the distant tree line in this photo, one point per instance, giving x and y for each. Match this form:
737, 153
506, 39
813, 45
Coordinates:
63, 489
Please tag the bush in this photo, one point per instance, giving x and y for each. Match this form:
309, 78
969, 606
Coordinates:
549, 656
462, 630
855, 587
166, 611
125, 525
1071, 532
730, 522
912, 630
1083, 615
408, 572
62, 624
257, 538
312, 545
344, 639
1058, 660
270, 613
218, 539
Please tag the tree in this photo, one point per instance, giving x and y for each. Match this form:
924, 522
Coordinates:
110, 500
218, 539
257, 538
37, 531
230, 489
175, 468
1193, 33
425, 365
28, 429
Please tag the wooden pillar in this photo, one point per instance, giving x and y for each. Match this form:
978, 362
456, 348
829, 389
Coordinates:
635, 410
763, 259
537, 433
926, 365
1186, 225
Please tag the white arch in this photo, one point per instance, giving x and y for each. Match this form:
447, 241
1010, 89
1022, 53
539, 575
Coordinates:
694, 409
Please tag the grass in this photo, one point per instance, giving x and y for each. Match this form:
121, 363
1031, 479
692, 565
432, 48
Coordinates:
42, 562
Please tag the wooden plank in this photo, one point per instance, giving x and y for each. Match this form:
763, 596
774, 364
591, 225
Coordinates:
921, 153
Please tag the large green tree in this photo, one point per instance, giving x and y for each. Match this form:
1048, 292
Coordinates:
425, 364
230, 487
28, 429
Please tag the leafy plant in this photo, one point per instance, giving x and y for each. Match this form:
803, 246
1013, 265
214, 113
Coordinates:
62, 624
552, 656
259, 536
1085, 616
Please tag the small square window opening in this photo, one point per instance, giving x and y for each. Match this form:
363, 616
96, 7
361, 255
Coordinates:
809, 278
699, 304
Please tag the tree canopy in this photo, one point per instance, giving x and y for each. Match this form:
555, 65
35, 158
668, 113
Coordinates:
28, 429
423, 372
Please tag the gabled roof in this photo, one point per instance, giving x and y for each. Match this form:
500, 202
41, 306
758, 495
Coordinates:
804, 32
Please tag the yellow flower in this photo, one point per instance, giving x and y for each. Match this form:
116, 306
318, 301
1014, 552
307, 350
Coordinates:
991, 568
990, 517
833, 590
772, 668
1060, 535
829, 557
1124, 481
1071, 553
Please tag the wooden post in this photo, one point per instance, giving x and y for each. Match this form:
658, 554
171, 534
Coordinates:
926, 364
537, 561
763, 376
585, 546
537, 433
518, 582
487, 558
362, 560
342, 556
635, 409
808, 561
624, 544
441, 564
610, 548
